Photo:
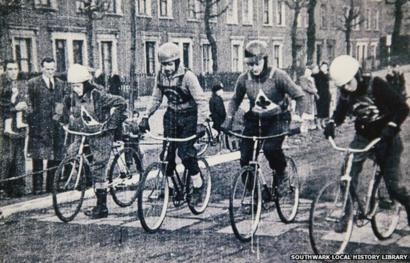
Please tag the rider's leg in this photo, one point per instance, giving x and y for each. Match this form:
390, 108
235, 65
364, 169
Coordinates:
397, 183
100, 148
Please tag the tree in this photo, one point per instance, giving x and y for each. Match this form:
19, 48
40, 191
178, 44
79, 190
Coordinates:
351, 18
398, 17
210, 13
94, 10
7, 7
296, 6
311, 31
133, 91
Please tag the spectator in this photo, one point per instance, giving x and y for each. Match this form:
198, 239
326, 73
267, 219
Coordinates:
114, 85
322, 86
396, 81
12, 162
216, 106
46, 137
307, 84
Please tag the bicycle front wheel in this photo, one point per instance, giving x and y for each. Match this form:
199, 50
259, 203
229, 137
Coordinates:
287, 201
153, 196
245, 203
387, 212
200, 202
124, 177
69, 184
331, 219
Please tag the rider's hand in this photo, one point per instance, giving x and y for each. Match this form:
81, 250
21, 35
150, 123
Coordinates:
200, 130
386, 138
144, 124
330, 130
227, 124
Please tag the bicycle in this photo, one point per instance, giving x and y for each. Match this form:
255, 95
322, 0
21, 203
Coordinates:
212, 139
72, 177
245, 203
334, 205
154, 193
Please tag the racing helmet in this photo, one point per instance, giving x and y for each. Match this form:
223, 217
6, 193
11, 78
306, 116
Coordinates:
343, 69
78, 74
168, 52
256, 50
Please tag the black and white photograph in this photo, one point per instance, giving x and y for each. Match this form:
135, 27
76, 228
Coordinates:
204, 131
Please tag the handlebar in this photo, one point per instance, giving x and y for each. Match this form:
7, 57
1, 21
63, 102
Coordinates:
288, 133
367, 148
82, 133
161, 138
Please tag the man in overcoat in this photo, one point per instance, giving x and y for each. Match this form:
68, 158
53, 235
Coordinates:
46, 137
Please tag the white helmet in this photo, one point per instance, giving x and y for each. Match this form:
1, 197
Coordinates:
78, 73
168, 52
343, 69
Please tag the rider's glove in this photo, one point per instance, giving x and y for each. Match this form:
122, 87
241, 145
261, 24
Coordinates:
386, 138
144, 124
329, 130
200, 130
227, 124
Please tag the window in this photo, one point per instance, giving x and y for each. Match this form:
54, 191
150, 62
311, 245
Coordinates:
78, 51
206, 58
23, 54
165, 8
194, 9
150, 57
357, 20
106, 57
232, 12
368, 19
144, 7
214, 11
237, 55
45, 4
185, 54
247, 12
323, 16
280, 13
185, 45
277, 55
267, 12
61, 55
302, 19
115, 6
330, 51
376, 18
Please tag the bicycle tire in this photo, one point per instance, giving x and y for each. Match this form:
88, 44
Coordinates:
387, 212
287, 205
69, 186
124, 177
250, 209
328, 208
201, 144
153, 187
205, 171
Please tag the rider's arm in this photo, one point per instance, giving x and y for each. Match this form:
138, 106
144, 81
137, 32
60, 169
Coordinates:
156, 100
294, 91
117, 106
342, 108
397, 107
238, 95
196, 91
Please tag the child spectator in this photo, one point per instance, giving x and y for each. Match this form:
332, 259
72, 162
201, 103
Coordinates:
15, 97
308, 86
216, 106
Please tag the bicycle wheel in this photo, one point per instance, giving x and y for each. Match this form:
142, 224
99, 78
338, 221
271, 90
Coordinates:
387, 212
124, 176
245, 204
201, 144
69, 184
231, 142
332, 209
287, 201
153, 196
198, 205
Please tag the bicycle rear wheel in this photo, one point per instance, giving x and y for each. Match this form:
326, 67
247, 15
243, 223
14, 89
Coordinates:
387, 212
153, 196
201, 144
331, 219
124, 176
287, 201
69, 184
198, 205
245, 203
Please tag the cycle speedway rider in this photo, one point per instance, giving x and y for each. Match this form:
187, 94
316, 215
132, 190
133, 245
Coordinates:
89, 109
267, 89
379, 112
186, 107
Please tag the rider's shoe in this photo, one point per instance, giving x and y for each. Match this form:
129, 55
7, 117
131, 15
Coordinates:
101, 210
282, 183
266, 194
196, 195
342, 224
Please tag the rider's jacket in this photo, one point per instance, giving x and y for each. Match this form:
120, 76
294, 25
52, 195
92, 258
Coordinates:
373, 104
183, 93
267, 94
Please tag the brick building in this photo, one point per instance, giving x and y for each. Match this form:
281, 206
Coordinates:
57, 28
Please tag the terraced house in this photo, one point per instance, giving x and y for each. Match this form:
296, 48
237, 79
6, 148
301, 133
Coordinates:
62, 29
